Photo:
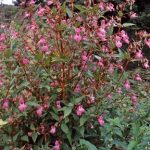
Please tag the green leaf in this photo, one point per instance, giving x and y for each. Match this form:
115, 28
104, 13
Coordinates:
83, 119
38, 56
88, 144
55, 116
34, 136
2, 123
25, 138
80, 7
64, 128
67, 111
78, 100
69, 12
31, 103
132, 145
81, 130
128, 24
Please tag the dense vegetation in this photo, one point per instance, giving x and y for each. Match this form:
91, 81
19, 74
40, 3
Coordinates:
65, 82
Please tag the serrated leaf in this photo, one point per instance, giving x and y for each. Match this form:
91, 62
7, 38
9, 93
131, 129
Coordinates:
132, 145
83, 119
31, 103
128, 24
2, 123
67, 111
78, 100
69, 12
64, 128
25, 138
34, 136
88, 144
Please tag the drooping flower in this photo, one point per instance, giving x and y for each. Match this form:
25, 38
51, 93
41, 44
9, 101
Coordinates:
119, 90
27, 14
1, 83
133, 15
77, 88
127, 84
39, 111
101, 120
80, 110
124, 36
147, 42
22, 107
109, 96
118, 42
5, 104
57, 145
110, 7
134, 99
138, 77
25, 61
138, 55
102, 33
77, 38
102, 6
53, 129
58, 104
146, 64
111, 69
41, 11
49, 2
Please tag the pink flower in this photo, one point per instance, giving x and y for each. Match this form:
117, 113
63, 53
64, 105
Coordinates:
138, 77
109, 96
32, 2
77, 88
101, 63
134, 99
53, 129
57, 145
101, 120
2, 37
80, 110
147, 42
118, 42
92, 99
102, 6
127, 85
102, 33
5, 104
49, 2
145, 64
119, 90
111, 68
138, 54
39, 111
125, 37
44, 48
22, 107
58, 104
77, 38
77, 30
133, 15
1, 83
27, 14
84, 56
25, 61
110, 7
41, 11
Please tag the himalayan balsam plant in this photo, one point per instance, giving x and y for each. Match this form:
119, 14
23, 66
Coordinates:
62, 67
